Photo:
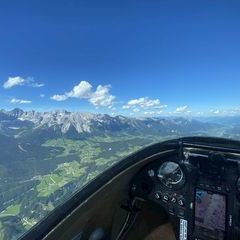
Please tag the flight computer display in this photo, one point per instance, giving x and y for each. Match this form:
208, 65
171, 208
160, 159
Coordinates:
210, 215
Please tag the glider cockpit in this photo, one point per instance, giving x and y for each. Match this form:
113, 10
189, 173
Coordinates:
183, 189
198, 189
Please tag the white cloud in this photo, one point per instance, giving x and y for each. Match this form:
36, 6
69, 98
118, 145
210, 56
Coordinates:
20, 101
13, 81
82, 90
139, 101
99, 98
19, 81
35, 85
144, 102
182, 109
59, 98
42, 95
102, 97
145, 106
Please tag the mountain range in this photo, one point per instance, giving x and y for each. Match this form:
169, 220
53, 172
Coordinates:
73, 124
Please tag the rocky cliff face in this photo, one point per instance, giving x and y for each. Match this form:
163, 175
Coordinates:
65, 122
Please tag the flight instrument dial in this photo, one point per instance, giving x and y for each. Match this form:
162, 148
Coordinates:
171, 175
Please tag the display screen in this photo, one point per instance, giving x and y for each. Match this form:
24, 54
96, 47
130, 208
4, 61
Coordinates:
210, 215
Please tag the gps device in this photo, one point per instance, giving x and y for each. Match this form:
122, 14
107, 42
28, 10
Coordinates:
210, 215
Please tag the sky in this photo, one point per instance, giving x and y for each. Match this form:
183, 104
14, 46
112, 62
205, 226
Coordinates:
136, 57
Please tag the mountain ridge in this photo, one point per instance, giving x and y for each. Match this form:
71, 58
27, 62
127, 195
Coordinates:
75, 123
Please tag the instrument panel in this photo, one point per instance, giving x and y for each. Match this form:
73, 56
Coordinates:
198, 188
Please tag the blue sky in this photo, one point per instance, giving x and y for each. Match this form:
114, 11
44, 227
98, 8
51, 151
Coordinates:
124, 57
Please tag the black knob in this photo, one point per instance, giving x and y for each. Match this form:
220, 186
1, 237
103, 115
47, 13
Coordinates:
157, 195
173, 200
181, 202
165, 198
